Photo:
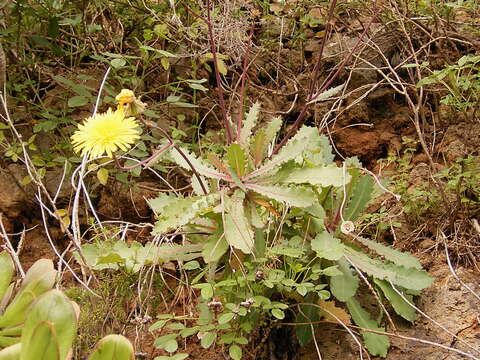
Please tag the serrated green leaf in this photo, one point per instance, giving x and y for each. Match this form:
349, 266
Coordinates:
248, 125
409, 278
324, 176
328, 247
291, 195
400, 306
397, 257
344, 286
236, 158
327, 94
181, 211
292, 150
238, 230
376, 344
199, 164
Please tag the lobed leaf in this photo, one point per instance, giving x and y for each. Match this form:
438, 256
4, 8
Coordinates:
292, 195
344, 286
248, 125
181, 211
324, 176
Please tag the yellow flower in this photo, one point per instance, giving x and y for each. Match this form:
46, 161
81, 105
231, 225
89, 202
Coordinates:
129, 103
105, 133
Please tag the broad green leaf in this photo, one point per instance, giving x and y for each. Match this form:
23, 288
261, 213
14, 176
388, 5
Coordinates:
248, 125
171, 346
277, 313
102, 175
118, 63
214, 249
328, 247
238, 231
208, 339
397, 257
376, 344
50, 327
361, 195
236, 158
292, 150
7, 269
78, 101
400, 306
181, 211
113, 347
291, 195
161, 341
199, 164
235, 352
409, 278
343, 287
226, 317
324, 176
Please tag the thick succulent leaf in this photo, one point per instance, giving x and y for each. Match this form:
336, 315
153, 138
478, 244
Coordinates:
344, 287
291, 195
7, 269
8, 340
376, 344
400, 306
248, 125
397, 257
113, 347
50, 326
238, 230
181, 211
44, 344
38, 279
236, 159
327, 247
11, 352
329, 175
199, 164
409, 278
292, 150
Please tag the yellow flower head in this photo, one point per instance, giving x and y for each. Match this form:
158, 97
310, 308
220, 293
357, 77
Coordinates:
105, 133
129, 103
